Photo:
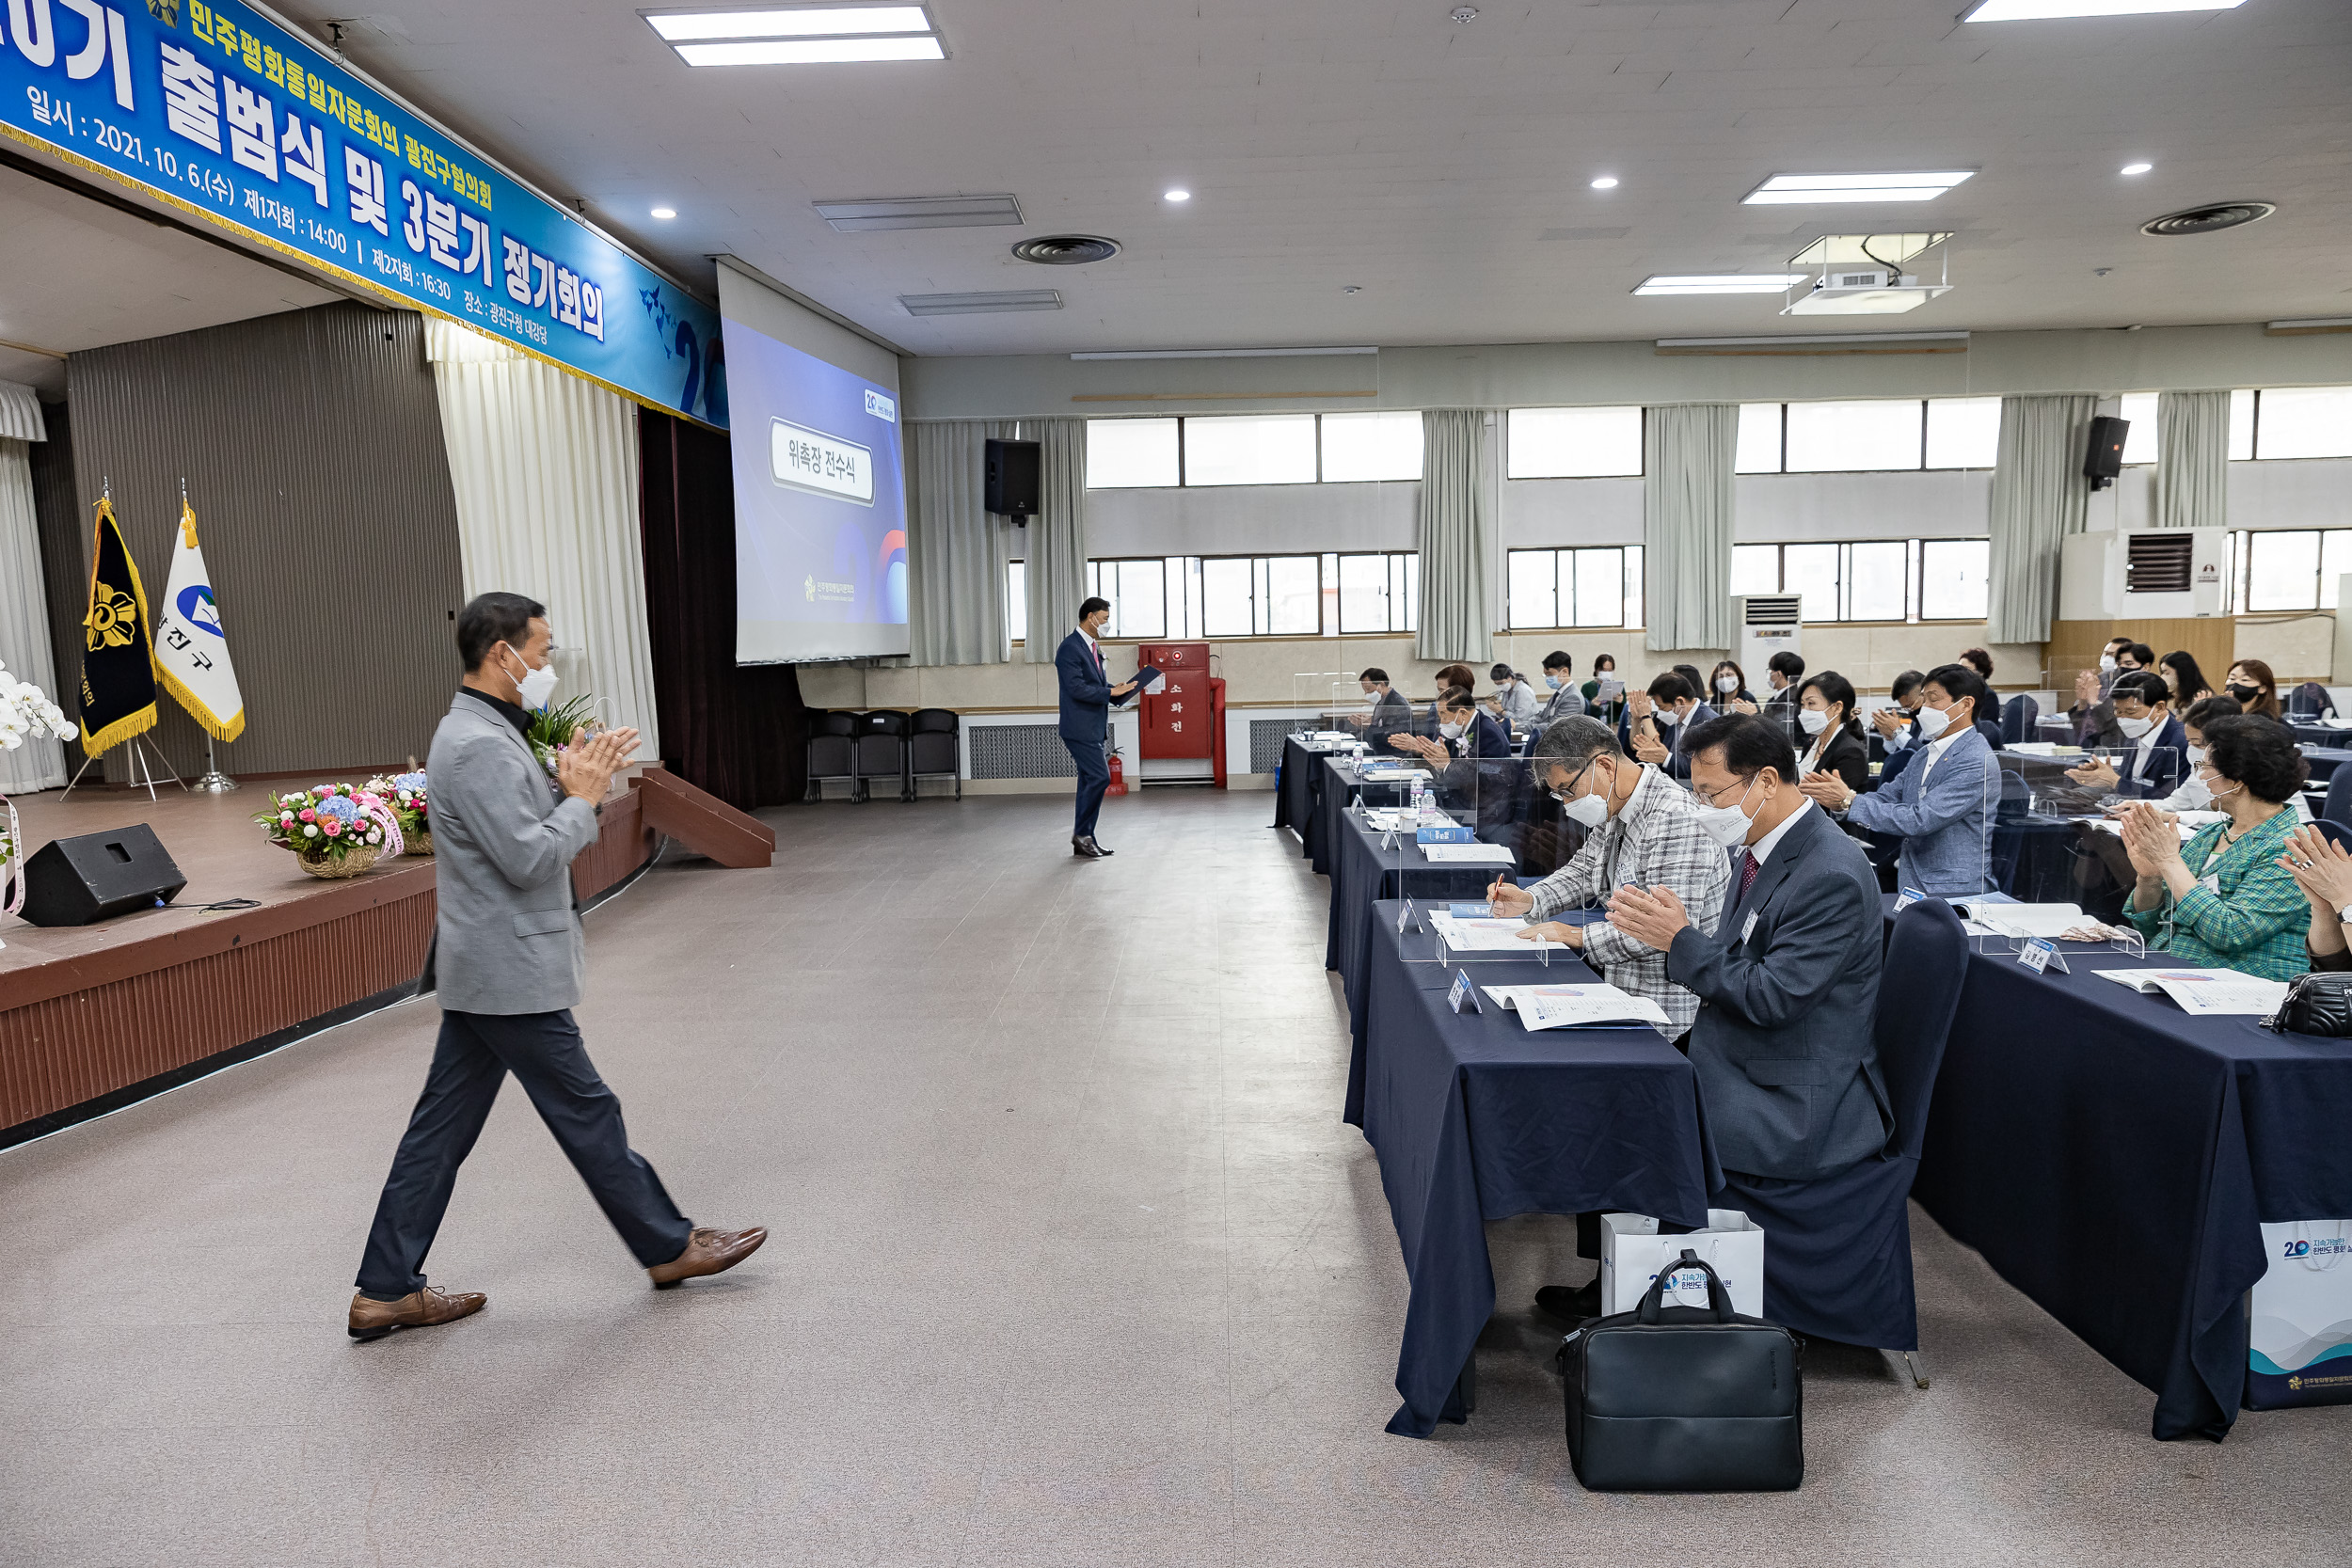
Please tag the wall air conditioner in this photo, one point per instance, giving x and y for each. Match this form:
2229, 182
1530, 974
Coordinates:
2144, 573
1766, 624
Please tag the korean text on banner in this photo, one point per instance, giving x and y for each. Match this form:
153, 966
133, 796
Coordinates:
191, 644
221, 111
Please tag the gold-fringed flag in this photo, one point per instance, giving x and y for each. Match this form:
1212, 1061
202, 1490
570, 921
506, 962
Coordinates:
191, 647
117, 667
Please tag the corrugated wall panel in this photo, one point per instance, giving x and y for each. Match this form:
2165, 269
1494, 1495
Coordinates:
311, 442
63, 562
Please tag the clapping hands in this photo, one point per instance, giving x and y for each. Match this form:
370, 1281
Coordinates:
585, 768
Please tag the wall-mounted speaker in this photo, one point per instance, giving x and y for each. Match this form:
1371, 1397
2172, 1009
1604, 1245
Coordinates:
2104, 460
1010, 489
75, 881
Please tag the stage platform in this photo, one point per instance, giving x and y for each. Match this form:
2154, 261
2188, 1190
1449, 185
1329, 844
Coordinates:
94, 1017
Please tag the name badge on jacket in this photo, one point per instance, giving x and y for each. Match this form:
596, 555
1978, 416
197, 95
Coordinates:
1748, 929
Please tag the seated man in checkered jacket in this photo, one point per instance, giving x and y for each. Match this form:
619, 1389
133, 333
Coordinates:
1641, 828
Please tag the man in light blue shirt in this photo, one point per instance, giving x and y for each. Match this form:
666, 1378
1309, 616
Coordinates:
1941, 806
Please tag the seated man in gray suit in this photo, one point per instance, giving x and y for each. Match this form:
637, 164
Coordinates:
1788, 982
508, 955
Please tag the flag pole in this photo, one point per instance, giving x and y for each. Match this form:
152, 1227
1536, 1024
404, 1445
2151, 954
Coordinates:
215, 781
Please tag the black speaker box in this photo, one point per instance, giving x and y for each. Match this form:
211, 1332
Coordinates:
2104, 460
75, 881
1012, 473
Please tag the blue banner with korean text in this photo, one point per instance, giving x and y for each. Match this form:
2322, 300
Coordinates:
223, 112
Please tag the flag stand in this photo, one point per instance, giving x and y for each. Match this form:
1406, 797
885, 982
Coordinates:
140, 751
215, 781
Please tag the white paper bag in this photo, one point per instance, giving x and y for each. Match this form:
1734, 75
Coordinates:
2299, 1343
1632, 1252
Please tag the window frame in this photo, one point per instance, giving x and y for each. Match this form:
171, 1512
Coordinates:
1915, 577
1628, 599
1184, 591
1183, 459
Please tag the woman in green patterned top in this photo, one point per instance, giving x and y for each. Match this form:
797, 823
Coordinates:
2222, 900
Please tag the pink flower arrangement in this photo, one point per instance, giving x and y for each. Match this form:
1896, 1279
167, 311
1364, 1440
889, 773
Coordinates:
330, 822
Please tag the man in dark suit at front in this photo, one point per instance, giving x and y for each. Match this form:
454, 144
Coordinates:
1087, 697
1788, 987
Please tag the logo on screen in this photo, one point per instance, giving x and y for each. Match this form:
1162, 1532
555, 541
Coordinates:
881, 406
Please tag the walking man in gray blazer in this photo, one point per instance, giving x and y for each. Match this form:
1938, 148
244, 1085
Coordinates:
508, 953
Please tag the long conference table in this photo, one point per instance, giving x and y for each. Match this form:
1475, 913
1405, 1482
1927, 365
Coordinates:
2111, 1157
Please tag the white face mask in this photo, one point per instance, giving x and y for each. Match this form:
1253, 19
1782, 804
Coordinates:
1932, 721
2134, 728
2197, 792
1451, 731
1726, 684
2196, 755
2107, 661
1371, 699
1814, 720
535, 686
1588, 811
1668, 717
1729, 825
2213, 796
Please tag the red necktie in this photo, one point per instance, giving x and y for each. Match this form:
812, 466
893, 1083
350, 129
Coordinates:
1750, 868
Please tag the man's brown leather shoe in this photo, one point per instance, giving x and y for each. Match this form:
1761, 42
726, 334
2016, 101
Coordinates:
373, 1320
707, 1251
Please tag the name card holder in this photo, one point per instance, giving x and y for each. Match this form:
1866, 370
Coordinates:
1463, 998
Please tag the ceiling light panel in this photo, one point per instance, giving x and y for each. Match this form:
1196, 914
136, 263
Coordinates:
799, 35
2042, 11
981, 304
1721, 283
1000, 211
1788, 190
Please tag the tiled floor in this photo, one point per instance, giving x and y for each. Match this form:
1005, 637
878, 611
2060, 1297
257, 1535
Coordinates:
1074, 1264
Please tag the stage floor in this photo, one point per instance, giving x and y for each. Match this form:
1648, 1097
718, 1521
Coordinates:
212, 838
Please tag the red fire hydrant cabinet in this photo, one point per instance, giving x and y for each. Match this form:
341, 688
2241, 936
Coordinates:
1185, 717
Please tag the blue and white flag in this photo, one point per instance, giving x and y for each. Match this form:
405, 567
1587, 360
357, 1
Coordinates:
191, 646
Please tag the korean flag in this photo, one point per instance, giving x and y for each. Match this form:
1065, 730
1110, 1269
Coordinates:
192, 646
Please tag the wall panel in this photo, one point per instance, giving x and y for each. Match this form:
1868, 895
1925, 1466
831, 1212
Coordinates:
311, 443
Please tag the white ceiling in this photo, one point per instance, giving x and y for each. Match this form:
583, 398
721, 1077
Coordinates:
77, 275
1379, 144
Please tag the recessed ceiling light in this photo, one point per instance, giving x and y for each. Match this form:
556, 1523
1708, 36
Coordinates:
994, 303
796, 21
665, 213
2137, 169
1805, 189
1178, 196
2039, 10
1721, 283
1605, 182
1000, 211
799, 35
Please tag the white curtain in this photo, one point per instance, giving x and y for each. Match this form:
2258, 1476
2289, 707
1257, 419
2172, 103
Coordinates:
544, 466
1688, 452
1056, 574
1460, 536
2038, 497
956, 552
2193, 459
24, 609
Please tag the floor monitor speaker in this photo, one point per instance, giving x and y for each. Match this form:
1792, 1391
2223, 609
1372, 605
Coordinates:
74, 881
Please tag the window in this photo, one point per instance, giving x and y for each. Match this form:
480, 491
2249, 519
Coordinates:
1597, 586
1128, 454
1253, 449
1759, 450
1260, 595
1360, 447
1850, 437
1573, 443
2139, 443
2290, 568
1017, 600
1963, 433
1137, 590
1871, 579
2242, 426
1270, 448
1379, 593
2301, 422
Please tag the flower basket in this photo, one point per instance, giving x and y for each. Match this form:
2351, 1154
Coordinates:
420, 844
358, 861
403, 794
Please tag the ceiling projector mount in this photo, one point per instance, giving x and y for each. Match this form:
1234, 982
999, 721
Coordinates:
1863, 274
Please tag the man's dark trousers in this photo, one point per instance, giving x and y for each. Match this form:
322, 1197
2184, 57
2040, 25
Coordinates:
475, 1054
1094, 776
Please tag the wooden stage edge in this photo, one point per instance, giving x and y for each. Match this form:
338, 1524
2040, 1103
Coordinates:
95, 1018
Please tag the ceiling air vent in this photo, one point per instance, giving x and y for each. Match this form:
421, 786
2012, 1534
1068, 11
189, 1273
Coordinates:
921, 212
2206, 220
981, 304
2159, 563
1066, 251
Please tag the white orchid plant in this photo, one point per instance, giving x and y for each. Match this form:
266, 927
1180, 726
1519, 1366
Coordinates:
25, 710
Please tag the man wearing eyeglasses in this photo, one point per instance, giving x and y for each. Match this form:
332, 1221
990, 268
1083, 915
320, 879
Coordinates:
1641, 829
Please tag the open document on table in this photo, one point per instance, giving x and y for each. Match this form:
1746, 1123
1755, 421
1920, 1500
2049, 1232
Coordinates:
1467, 854
1481, 936
2209, 992
1576, 1006
1988, 917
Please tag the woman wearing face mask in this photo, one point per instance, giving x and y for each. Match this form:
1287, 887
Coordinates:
1833, 736
1604, 669
2255, 689
1942, 805
1729, 684
2223, 900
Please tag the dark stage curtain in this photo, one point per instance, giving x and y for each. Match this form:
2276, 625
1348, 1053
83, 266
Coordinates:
739, 733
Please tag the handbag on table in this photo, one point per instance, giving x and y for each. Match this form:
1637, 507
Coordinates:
2316, 1004
1685, 1399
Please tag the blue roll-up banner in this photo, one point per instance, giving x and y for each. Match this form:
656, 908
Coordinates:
222, 111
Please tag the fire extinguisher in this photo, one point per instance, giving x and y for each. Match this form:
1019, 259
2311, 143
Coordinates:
1118, 777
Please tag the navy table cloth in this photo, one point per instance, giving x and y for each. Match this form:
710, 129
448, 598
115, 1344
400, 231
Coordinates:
2114, 1158
1362, 873
1474, 1118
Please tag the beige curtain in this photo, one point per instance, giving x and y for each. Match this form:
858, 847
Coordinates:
1055, 550
1460, 535
25, 645
2193, 459
1688, 450
2039, 496
956, 551
545, 467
